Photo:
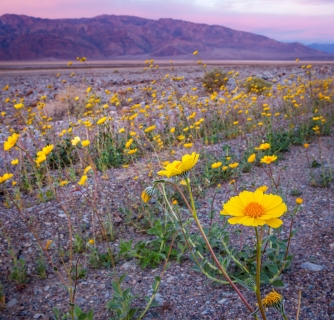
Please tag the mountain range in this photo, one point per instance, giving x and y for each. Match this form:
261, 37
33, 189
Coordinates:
324, 47
127, 37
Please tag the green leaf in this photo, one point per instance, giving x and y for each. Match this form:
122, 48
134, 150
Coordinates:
278, 283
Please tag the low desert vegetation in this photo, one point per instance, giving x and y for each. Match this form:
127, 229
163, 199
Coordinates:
161, 140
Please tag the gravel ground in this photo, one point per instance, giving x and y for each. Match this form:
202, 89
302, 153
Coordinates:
184, 293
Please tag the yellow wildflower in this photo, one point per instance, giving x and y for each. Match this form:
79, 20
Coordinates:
87, 169
233, 165
133, 151
75, 141
11, 141
263, 146
255, 209
102, 120
63, 183
82, 180
179, 167
216, 165
251, 158
262, 188
128, 143
5, 177
299, 200
85, 143
268, 159
14, 162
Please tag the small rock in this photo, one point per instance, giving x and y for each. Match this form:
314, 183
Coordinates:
81, 301
222, 301
311, 266
47, 288
12, 302
62, 215
129, 265
107, 295
158, 298
170, 279
37, 316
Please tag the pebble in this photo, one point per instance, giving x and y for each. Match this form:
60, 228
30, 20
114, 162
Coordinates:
37, 316
170, 279
11, 303
311, 266
158, 298
222, 301
47, 288
129, 265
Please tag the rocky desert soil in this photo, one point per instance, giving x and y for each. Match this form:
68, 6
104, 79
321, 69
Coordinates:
184, 293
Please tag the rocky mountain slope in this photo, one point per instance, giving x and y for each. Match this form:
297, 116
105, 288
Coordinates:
110, 36
324, 47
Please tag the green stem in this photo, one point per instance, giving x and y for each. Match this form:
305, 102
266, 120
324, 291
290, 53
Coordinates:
258, 274
212, 252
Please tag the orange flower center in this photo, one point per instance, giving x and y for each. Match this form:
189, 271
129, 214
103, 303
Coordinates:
254, 210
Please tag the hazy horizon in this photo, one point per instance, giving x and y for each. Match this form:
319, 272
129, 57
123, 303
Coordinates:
304, 21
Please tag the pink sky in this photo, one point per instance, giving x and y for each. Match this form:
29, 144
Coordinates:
306, 21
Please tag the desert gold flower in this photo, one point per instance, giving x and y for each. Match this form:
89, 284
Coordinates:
263, 146
128, 143
262, 188
188, 145
75, 141
149, 129
46, 150
251, 158
82, 180
11, 141
85, 143
14, 162
268, 159
87, 169
121, 130
133, 151
40, 158
5, 177
255, 209
102, 120
224, 168
195, 53
63, 183
172, 130
216, 165
306, 145
91, 241
233, 165
18, 106
179, 167
299, 200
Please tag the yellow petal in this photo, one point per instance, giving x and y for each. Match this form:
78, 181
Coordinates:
234, 220
246, 197
248, 221
274, 223
275, 212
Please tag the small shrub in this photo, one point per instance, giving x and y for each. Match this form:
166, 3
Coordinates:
258, 86
214, 79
